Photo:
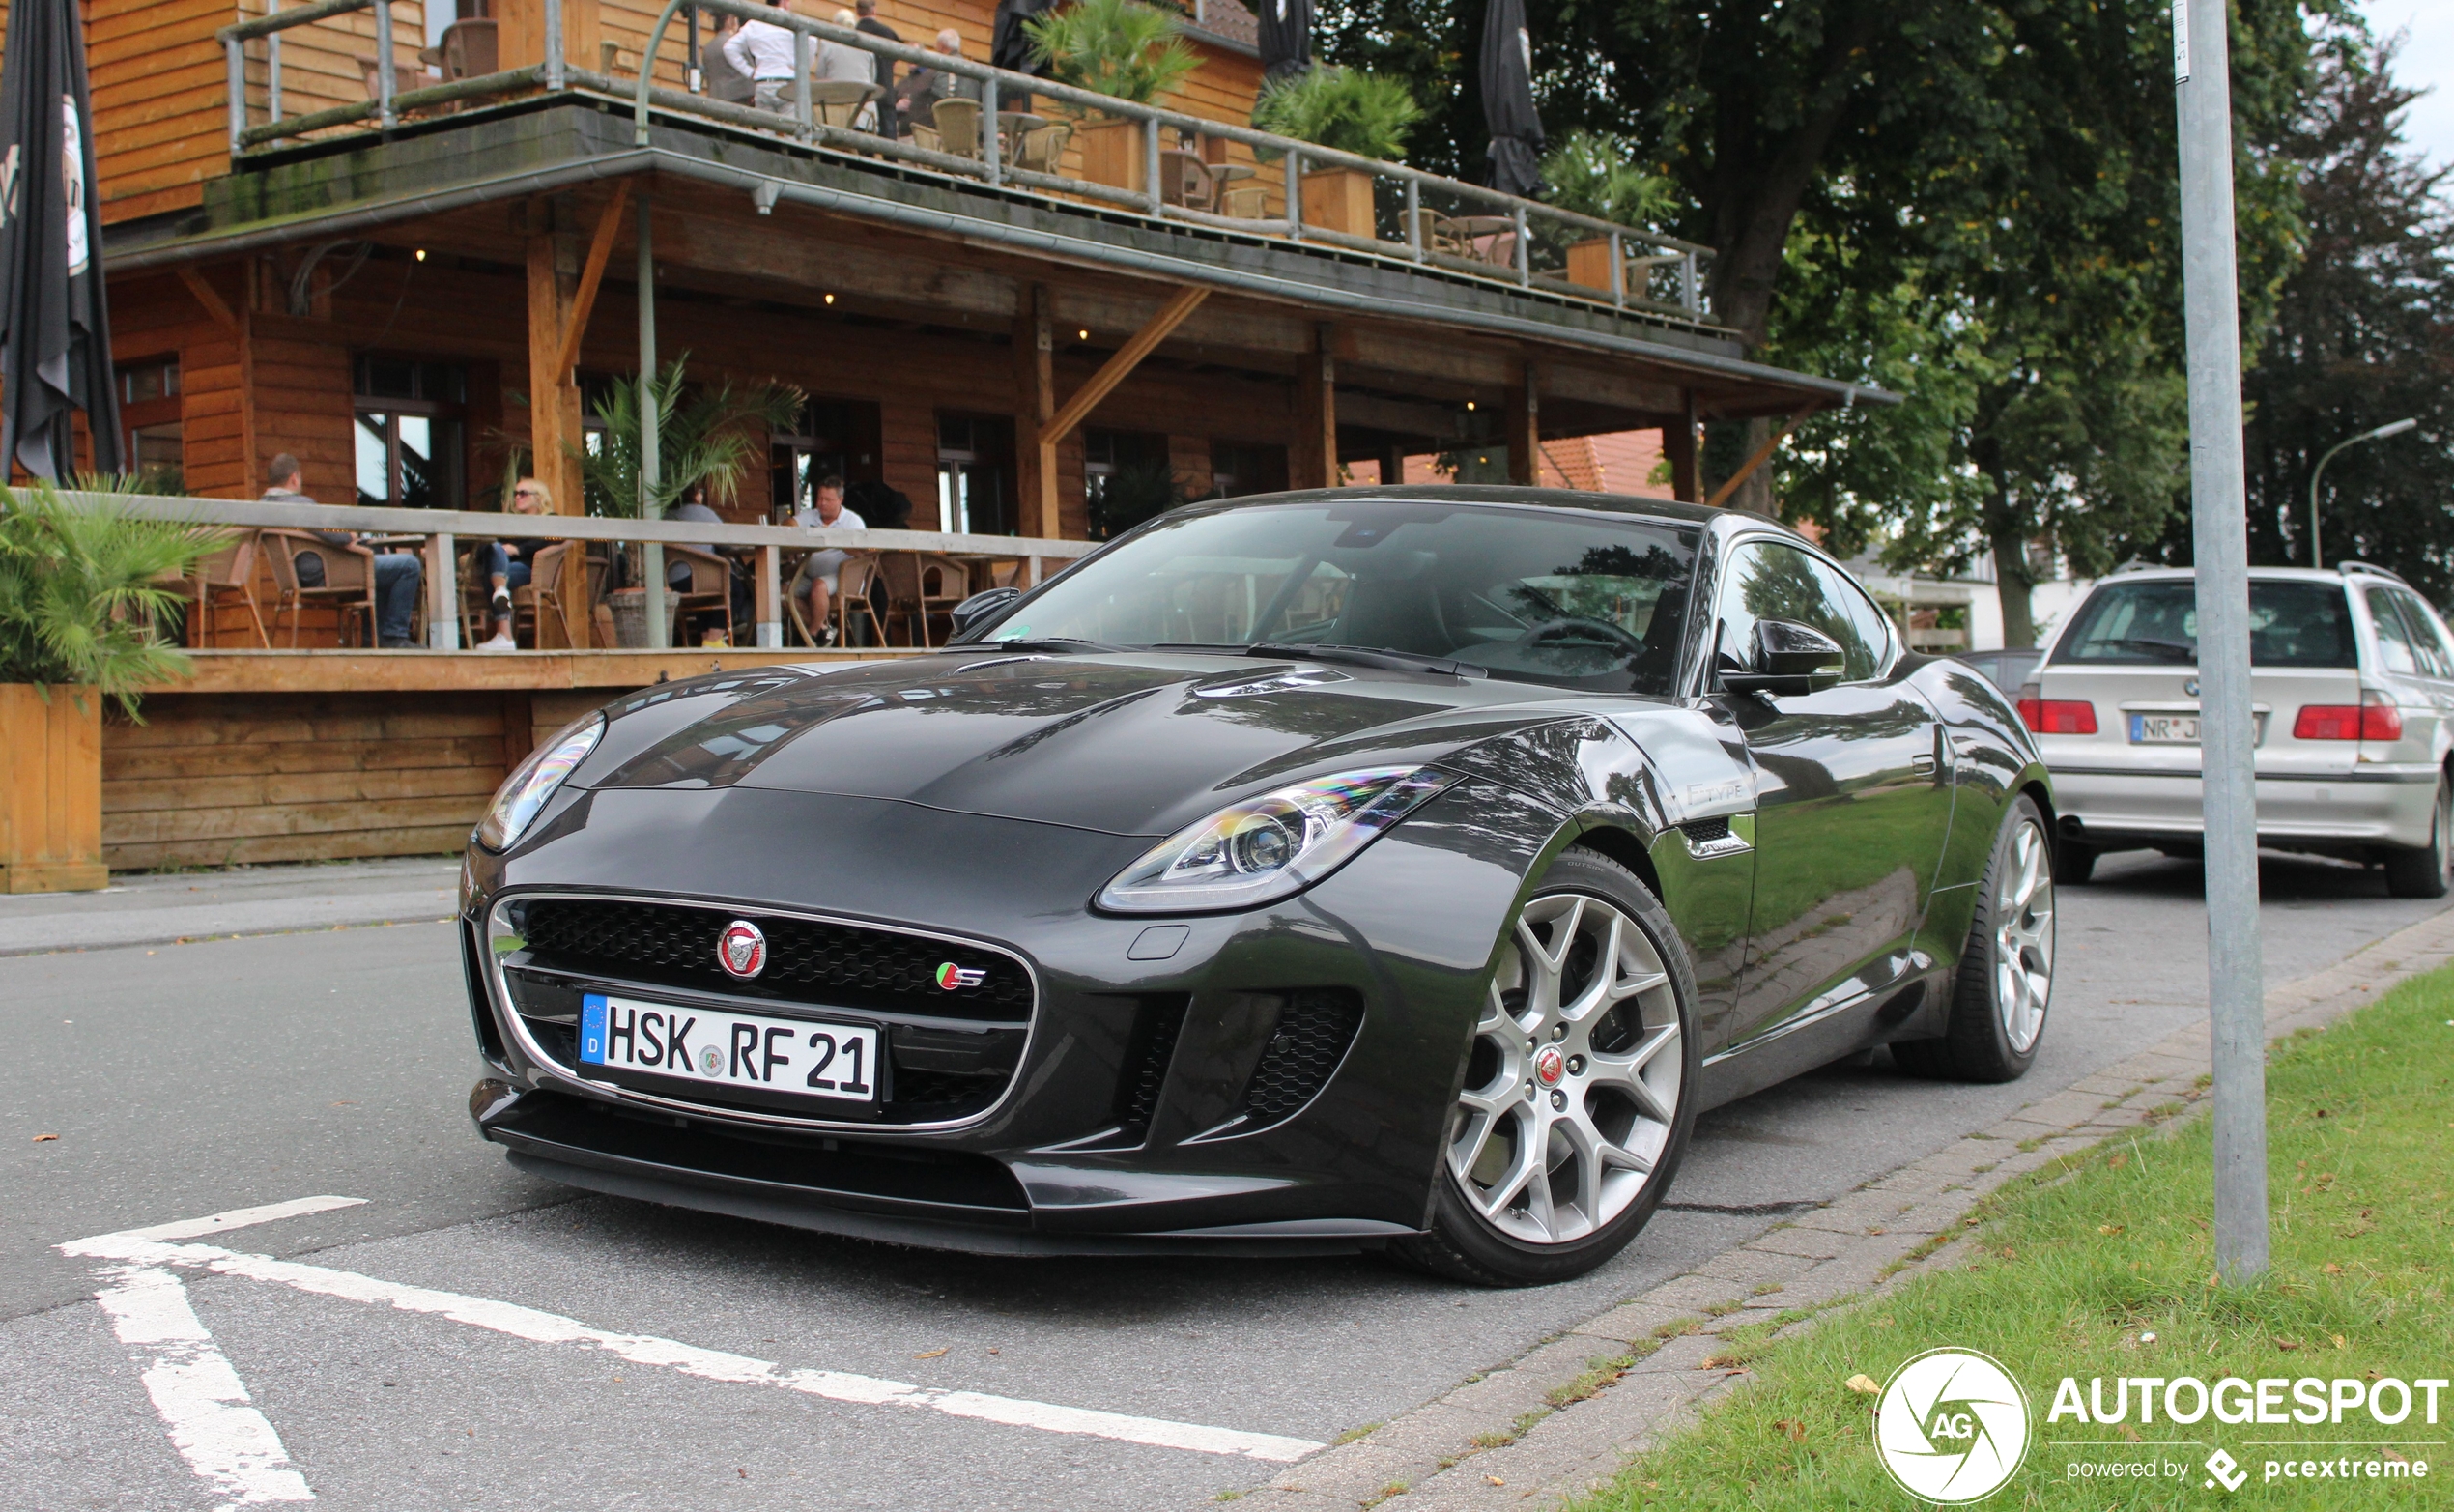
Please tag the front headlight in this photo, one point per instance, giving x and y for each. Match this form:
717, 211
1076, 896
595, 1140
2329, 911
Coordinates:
1268, 847
524, 791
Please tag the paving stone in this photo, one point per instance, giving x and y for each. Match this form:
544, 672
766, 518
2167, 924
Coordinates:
1807, 1243
1754, 1268
1354, 1471
1437, 1430
1631, 1323
1678, 1355
1282, 1499
1505, 1394
1692, 1293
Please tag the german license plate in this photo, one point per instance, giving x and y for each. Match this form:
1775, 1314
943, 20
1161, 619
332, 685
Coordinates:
2164, 730
723, 1048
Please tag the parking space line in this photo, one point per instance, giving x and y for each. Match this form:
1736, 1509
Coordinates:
136, 1247
199, 1397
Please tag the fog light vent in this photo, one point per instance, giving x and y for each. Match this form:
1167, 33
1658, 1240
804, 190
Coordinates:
1314, 1030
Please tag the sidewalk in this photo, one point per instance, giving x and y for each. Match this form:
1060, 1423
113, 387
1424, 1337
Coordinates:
168, 908
1560, 1420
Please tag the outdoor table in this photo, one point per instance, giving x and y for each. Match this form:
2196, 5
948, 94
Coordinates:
1484, 233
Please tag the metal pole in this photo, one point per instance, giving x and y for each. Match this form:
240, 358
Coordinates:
1524, 250
385, 80
804, 124
1151, 198
1414, 219
556, 71
2317, 557
272, 66
1295, 194
992, 142
235, 61
1619, 270
650, 465
2220, 538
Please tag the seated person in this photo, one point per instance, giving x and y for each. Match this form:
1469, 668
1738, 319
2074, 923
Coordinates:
509, 564
821, 570
677, 574
918, 95
399, 576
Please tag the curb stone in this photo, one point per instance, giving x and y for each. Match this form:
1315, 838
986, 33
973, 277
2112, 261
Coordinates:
1429, 1460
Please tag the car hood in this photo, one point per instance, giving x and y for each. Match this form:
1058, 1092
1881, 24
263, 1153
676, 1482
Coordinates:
1132, 744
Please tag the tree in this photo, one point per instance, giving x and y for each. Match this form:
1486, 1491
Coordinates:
2362, 334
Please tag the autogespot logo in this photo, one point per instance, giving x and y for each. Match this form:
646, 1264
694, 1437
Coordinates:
1952, 1426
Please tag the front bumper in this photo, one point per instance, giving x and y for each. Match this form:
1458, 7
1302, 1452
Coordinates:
2367, 807
1105, 1142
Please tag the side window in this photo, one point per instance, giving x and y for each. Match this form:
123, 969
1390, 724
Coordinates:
2394, 639
2427, 636
1874, 630
1771, 581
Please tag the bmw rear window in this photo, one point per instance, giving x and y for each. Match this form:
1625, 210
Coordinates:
2155, 624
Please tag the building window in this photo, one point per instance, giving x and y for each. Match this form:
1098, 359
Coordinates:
1237, 468
1126, 479
150, 441
975, 476
834, 438
411, 432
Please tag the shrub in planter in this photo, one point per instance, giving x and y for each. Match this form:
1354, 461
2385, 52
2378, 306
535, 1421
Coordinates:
1591, 173
1119, 47
1350, 110
80, 599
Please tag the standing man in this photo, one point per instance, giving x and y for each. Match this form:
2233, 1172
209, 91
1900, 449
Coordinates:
820, 570
399, 576
888, 122
764, 51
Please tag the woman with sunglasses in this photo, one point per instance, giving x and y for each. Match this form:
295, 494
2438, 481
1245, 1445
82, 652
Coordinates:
508, 563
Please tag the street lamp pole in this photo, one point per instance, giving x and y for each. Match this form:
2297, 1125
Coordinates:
2219, 526
2318, 558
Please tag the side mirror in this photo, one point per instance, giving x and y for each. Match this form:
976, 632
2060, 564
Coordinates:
1789, 658
980, 606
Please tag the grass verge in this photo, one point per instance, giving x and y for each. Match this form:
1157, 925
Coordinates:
2101, 1265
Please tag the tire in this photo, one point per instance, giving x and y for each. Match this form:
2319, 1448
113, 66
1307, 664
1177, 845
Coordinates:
2004, 984
2073, 863
2426, 870
1605, 1088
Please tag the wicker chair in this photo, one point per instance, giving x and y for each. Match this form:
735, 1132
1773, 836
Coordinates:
348, 585
944, 583
1041, 149
710, 587
958, 122
230, 570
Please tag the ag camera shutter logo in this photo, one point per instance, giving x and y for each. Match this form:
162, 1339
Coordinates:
1952, 1426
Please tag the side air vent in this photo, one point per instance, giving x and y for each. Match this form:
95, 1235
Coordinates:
1314, 1029
1704, 831
1156, 1025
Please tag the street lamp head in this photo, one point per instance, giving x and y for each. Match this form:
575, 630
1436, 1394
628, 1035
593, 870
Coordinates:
2395, 429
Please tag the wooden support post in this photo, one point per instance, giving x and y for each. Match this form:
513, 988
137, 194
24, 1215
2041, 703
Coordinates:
210, 298
1678, 447
1763, 454
609, 224
1036, 401
770, 596
1116, 369
1524, 429
1046, 428
553, 393
1313, 460
1392, 461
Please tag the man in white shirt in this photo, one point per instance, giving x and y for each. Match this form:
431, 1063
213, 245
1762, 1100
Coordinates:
820, 570
764, 51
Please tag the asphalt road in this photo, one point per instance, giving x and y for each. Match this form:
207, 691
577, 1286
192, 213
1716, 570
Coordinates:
184, 1080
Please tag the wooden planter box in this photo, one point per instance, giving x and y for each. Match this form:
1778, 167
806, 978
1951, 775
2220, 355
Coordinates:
1589, 263
51, 789
1339, 199
1112, 152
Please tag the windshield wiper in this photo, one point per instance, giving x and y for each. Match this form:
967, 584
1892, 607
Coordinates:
1368, 656
2174, 650
1052, 645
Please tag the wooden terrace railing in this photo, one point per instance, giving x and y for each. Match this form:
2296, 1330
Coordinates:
442, 529
1419, 217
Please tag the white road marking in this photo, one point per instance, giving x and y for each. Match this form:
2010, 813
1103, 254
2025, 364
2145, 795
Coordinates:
144, 1247
201, 1400
235, 1218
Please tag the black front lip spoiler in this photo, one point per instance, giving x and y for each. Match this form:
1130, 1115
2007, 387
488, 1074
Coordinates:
925, 1225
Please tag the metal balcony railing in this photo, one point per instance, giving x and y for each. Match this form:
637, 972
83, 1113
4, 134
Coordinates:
1413, 216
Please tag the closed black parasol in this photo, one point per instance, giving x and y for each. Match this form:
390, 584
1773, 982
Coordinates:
1285, 37
1010, 46
1508, 101
56, 334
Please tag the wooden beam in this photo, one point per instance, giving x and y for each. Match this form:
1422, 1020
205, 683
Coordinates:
1116, 369
1524, 437
1678, 447
1036, 401
215, 304
600, 249
554, 402
1312, 462
1763, 454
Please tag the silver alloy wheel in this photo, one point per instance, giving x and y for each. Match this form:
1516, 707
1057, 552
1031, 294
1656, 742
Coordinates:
1574, 1078
2023, 937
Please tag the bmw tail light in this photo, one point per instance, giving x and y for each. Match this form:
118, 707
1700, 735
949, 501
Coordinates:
2058, 716
2374, 718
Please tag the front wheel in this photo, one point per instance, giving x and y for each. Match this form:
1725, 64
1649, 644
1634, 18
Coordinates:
2427, 872
1579, 1089
2004, 979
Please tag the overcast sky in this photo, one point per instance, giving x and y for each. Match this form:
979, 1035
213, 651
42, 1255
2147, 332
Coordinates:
2428, 60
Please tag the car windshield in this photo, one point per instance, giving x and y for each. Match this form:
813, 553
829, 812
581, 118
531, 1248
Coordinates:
1537, 595
2292, 623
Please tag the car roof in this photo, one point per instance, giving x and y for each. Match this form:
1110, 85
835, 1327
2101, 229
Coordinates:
1669, 512
2267, 574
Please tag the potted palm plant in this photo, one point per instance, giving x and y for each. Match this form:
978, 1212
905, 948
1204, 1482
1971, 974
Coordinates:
1119, 47
1350, 110
81, 592
711, 436
1593, 174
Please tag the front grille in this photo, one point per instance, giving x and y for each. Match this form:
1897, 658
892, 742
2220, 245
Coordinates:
954, 1066
1314, 1029
834, 965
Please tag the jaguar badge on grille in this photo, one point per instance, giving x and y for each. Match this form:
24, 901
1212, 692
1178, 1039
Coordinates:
741, 949
950, 975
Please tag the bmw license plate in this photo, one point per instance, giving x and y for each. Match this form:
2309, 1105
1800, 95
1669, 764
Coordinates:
833, 1061
2164, 730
